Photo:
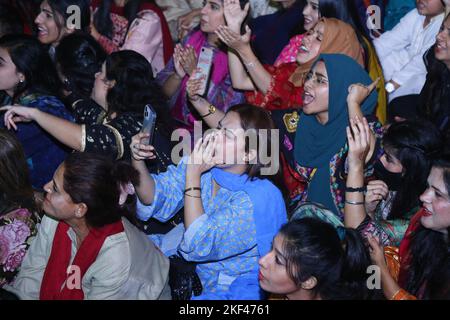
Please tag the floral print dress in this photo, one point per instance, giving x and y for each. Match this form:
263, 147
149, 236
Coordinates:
17, 229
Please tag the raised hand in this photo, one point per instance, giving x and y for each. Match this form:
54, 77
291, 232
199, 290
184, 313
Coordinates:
234, 15
194, 85
358, 135
140, 151
233, 39
202, 157
376, 251
358, 92
377, 190
188, 60
16, 114
179, 70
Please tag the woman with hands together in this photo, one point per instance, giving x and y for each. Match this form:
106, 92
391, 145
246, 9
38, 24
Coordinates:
174, 77
281, 87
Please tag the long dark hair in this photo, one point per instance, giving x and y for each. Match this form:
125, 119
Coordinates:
428, 274
27, 10
15, 184
79, 57
135, 87
313, 248
10, 21
435, 95
59, 9
31, 58
96, 181
414, 143
102, 18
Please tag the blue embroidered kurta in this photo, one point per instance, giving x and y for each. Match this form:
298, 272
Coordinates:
223, 240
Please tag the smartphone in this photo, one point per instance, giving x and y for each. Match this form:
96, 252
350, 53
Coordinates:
149, 124
204, 64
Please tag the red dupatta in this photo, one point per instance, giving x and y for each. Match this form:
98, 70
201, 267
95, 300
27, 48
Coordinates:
54, 286
405, 247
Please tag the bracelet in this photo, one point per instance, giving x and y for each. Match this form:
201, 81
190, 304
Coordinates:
188, 195
193, 188
211, 109
359, 189
250, 64
355, 203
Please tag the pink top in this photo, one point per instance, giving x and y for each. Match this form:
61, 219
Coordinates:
290, 51
144, 37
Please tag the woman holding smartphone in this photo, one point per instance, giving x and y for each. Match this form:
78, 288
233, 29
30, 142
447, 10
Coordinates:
106, 122
229, 222
174, 77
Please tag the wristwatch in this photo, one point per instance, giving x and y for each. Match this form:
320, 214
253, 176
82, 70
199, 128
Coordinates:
390, 87
211, 110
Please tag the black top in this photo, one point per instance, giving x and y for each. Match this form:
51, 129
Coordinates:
113, 136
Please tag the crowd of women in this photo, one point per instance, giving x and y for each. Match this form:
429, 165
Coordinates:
353, 115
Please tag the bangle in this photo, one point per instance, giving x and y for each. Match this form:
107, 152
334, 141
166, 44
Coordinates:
355, 203
211, 109
358, 189
193, 188
188, 195
250, 64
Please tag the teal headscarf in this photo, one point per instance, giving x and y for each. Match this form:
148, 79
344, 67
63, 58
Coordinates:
317, 144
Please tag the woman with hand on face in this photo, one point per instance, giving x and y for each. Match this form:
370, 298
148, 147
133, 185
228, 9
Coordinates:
174, 77
281, 87
229, 221
420, 267
400, 177
106, 122
87, 247
29, 78
55, 21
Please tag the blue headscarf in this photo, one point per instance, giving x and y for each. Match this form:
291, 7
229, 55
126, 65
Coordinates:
269, 214
317, 144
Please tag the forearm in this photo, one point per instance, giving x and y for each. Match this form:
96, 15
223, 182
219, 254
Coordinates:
354, 214
66, 132
171, 85
261, 78
193, 206
202, 106
239, 77
146, 188
354, 110
390, 286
